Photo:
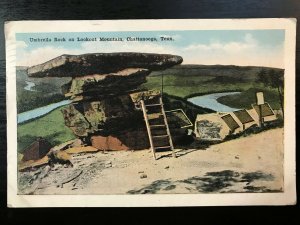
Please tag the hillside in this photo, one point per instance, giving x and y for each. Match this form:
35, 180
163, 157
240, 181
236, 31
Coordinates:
192, 80
242, 73
44, 92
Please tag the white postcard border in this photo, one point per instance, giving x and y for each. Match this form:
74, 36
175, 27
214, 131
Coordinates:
285, 198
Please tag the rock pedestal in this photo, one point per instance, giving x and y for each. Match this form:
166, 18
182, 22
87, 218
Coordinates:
105, 92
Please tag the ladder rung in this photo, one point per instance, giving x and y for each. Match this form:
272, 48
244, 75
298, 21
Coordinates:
158, 125
154, 116
153, 104
158, 147
160, 136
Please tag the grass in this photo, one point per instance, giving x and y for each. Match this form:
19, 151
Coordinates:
242, 100
51, 127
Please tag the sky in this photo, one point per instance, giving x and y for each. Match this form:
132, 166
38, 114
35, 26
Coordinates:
206, 47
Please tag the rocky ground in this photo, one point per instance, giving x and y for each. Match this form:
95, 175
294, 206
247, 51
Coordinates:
248, 164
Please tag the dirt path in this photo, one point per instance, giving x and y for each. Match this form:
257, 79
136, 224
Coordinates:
248, 164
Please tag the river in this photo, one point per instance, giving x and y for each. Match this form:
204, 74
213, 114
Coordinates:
210, 101
38, 112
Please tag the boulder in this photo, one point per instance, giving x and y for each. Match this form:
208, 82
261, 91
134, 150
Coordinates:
28, 165
108, 143
106, 116
101, 63
81, 149
36, 150
214, 126
136, 139
106, 84
75, 121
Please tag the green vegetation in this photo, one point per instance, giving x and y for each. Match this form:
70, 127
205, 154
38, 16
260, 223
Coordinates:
273, 79
193, 80
45, 92
51, 127
188, 86
28, 100
248, 97
184, 86
180, 83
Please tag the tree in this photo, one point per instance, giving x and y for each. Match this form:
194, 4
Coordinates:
274, 79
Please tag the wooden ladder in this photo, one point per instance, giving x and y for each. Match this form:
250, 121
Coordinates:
161, 127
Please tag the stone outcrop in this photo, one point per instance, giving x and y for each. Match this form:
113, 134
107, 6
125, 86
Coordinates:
36, 150
107, 84
103, 116
105, 89
101, 63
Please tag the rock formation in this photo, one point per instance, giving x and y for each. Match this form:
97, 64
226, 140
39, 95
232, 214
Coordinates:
101, 63
105, 89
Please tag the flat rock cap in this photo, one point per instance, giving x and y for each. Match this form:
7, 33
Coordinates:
102, 63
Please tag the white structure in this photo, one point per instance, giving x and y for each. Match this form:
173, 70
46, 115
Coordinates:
214, 126
267, 113
244, 119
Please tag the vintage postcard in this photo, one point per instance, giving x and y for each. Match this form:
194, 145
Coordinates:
151, 112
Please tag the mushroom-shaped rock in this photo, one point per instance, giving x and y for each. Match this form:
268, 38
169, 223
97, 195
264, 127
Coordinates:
102, 63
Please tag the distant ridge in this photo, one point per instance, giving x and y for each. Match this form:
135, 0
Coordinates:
220, 66
245, 73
